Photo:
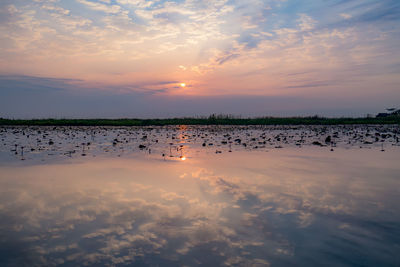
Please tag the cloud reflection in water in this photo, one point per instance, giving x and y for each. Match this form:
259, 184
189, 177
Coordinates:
245, 208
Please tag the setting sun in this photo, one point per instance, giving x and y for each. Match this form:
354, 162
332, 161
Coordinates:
183, 85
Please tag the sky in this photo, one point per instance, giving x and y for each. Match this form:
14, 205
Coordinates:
146, 59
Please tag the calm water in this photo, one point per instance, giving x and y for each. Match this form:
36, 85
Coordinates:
179, 201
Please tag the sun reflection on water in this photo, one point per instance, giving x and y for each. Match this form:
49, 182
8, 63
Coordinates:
266, 208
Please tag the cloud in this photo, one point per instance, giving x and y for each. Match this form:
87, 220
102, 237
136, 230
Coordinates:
225, 47
38, 97
101, 7
16, 82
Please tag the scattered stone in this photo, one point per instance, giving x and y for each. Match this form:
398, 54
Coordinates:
328, 139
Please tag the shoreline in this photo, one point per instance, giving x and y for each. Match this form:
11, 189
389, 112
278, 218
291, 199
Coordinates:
202, 121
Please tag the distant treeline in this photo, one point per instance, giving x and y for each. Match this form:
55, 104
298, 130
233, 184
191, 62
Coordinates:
211, 120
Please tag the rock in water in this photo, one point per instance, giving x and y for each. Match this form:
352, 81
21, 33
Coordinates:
328, 139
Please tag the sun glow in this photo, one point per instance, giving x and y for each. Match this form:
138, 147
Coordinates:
183, 85
183, 158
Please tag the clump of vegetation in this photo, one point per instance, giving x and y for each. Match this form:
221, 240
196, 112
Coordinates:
211, 120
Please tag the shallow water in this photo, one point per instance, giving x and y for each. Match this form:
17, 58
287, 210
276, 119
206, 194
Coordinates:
301, 205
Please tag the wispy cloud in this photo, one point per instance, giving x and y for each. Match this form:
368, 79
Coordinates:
100, 6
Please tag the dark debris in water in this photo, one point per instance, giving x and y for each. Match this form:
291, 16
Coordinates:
28, 142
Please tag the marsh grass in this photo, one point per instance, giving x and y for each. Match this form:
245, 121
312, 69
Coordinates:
211, 120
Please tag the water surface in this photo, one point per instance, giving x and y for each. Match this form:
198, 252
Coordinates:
179, 203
